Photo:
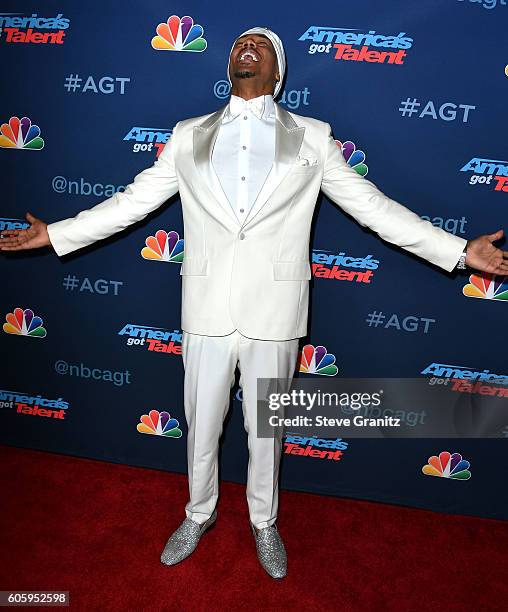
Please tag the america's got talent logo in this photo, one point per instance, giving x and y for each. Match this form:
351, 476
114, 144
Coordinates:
350, 44
16, 28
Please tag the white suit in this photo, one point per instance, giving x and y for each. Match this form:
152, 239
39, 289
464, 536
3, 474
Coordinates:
245, 285
254, 277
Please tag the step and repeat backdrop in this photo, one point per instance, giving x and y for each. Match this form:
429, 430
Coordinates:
91, 342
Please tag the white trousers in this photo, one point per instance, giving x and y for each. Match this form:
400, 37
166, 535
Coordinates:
209, 373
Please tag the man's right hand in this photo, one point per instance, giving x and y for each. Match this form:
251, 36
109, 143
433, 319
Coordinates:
31, 238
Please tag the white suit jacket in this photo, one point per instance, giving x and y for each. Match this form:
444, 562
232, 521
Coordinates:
253, 276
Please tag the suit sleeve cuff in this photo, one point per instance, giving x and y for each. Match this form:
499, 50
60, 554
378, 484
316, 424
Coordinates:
457, 246
59, 242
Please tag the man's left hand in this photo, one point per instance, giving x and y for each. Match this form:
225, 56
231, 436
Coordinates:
483, 255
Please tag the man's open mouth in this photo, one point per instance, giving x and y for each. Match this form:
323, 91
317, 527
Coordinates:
248, 56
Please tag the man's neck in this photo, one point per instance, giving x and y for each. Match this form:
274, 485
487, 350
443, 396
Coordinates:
247, 91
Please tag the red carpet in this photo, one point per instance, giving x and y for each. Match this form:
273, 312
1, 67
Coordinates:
97, 530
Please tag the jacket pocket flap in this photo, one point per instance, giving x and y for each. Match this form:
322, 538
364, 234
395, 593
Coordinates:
194, 265
291, 270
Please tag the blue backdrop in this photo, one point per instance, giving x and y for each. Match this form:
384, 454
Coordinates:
416, 95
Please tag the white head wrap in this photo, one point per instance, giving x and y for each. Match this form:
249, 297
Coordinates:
279, 52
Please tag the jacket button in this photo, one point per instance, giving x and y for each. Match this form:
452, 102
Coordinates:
241, 236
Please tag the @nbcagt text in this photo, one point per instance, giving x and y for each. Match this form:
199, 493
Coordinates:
352, 401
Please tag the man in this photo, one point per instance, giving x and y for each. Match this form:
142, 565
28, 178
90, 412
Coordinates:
248, 176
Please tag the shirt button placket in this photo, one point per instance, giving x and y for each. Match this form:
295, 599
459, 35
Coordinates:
243, 189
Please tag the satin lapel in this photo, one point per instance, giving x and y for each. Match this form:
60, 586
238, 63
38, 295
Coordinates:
204, 137
288, 141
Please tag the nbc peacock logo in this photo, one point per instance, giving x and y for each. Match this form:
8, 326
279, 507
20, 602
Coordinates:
24, 323
316, 360
448, 465
179, 35
354, 157
487, 287
164, 246
21, 134
157, 423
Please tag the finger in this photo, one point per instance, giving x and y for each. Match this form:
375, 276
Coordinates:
16, 247
14, 235
501, 267
9, 232
11, 241
496, 235
500, 257
30, 217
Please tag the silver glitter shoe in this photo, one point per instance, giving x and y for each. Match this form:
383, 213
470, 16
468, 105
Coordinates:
184, 540
271, 551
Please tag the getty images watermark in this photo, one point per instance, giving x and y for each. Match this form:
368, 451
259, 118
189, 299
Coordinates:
378, 407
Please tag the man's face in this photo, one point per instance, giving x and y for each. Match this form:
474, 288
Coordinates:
253, 56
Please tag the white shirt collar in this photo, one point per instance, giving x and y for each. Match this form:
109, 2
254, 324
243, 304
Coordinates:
263, 106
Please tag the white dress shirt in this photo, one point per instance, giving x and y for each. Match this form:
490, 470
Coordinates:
244, 150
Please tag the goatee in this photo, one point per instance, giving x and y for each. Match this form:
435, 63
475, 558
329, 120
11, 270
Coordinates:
244, 74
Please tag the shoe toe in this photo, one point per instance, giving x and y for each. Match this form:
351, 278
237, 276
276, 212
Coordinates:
271, 552
173, 554
181, 544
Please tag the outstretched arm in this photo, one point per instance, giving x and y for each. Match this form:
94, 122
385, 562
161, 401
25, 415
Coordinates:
149, 190
397, 224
